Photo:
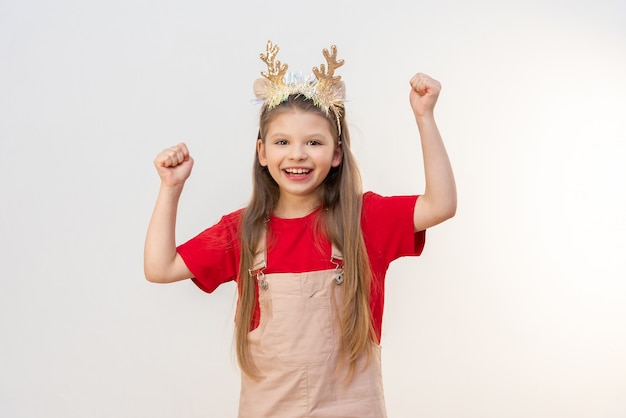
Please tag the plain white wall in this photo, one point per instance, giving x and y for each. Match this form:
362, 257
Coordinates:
517, 307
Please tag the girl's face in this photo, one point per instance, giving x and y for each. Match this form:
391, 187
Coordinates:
299, 150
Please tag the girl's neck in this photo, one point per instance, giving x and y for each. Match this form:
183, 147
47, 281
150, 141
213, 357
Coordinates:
296, 207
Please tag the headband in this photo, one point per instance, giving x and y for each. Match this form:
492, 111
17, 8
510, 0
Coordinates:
323, 87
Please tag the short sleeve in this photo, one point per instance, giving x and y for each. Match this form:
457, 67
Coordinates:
213, 255
388, 228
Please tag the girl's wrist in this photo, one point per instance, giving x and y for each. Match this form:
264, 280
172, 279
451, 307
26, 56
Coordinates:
426, 117
171, 189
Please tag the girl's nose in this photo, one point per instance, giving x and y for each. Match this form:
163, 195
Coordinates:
298, 152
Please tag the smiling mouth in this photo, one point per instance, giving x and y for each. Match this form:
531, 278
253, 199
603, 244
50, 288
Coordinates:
297, 171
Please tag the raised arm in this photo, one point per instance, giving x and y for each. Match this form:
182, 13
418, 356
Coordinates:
438, 202
162, 264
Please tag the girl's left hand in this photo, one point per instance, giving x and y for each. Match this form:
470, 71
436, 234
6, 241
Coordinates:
424, 93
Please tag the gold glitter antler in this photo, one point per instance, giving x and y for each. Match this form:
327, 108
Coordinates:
327, 91
275, 71
333, 63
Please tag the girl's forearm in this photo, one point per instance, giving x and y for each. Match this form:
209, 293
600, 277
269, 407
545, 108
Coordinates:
160, 244
440, 188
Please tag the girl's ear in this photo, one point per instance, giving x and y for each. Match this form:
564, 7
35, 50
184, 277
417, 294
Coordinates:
260, 150
338, 156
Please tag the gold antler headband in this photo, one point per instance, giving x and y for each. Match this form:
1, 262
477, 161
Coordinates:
323, 87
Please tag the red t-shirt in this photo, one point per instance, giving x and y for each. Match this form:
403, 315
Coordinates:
387, 224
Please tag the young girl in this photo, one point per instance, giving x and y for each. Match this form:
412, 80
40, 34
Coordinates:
310, 251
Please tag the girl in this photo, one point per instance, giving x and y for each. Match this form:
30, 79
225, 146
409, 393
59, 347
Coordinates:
310, 251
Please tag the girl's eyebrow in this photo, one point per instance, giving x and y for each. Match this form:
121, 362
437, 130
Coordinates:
317, 135
274, 134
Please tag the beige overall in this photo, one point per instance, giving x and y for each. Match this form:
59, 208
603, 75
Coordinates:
296, 349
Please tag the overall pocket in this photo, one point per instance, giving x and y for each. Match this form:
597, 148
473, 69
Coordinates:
301, 330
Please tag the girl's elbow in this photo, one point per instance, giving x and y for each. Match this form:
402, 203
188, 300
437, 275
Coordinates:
165, 274
450, 206
152, 275
446, 212
451, 211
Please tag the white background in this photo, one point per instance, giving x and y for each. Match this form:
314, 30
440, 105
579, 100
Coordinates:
517, 307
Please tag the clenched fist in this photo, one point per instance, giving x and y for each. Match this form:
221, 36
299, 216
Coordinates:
174, 165
424, 93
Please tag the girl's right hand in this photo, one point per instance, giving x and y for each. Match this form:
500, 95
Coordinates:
174, 165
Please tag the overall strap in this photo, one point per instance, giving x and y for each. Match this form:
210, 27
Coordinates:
259, 264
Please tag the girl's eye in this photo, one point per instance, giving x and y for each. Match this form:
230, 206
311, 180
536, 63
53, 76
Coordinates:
313, 142
281, 142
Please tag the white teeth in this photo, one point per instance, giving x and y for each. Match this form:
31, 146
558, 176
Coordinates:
297, 170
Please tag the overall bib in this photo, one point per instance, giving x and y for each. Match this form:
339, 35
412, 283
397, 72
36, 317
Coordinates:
296, 348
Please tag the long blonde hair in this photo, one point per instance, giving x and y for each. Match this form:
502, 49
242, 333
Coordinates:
341, 223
